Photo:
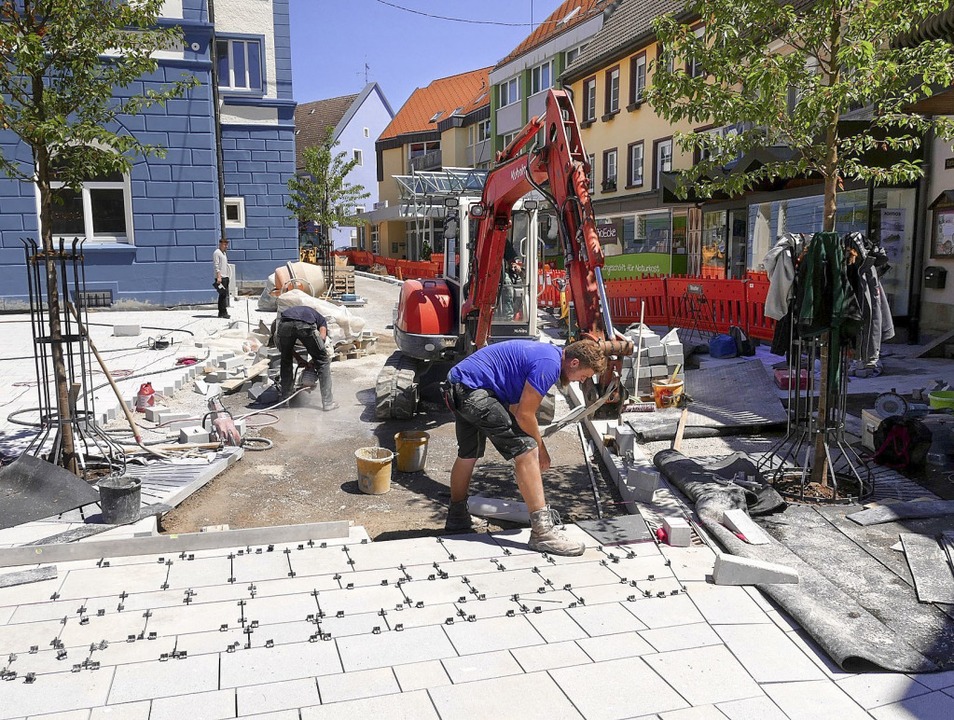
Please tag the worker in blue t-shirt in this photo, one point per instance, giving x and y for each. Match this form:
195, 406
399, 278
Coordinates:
495, 394
308, 325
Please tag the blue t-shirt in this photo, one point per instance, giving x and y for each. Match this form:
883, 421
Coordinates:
504, 368
305, 314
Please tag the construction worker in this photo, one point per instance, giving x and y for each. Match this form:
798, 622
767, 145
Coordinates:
495, 393
308, 325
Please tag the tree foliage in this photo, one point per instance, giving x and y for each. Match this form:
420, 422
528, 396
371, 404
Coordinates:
322, 194
784, 74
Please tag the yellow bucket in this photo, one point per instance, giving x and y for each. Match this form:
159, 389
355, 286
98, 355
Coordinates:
411, 450
666, 394
374, 469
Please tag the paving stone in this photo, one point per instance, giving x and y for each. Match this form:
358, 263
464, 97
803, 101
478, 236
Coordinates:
768, 653
360, 600
656, 612
605, 619
681, 637
759, 708
814, 699
279, 715
69, 715
139, 681
933, 705
300, 584
617, 689
60, 692
364, 652
214, 705
422, 675
782, 621
548, 657
935, 681
481, 667
581, 575
113, 580
534, 696
402, 706
818, 656
873, 689
503, 606
692, 564
705, 675
283, 662
255, 699
703, 712
435, 592
410, 617
614, 647
357, 685
492, 634
556, 626
391, 554
725, 605
127, 711
735, 570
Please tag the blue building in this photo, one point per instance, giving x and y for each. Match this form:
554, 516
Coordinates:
150, 234
357, 121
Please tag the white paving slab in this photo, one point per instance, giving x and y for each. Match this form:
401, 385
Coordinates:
139, 681
492, 634
482, 666
214, 705
556, 626
759, 708
703, 712
422, 675
705, 675
767, 653
874, 689
814, 699
55, 693
725, 605
605, 619
549, 657
127, 711
404, 706
616, 646
923, 707
534, 696
357, 685
681, 637
282, 662
271, 697
667, 611
364, 652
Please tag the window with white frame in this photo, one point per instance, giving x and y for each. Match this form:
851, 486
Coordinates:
422, 148
572, 54
100, 212
694, 67
592, 159
635, 174
509, 92
609, 170
611, 104
541, 77
358, 156
589, 99
508, 138
367, 132
239, 64
663, 159
375, 239
235, 212
637, 75
478, 132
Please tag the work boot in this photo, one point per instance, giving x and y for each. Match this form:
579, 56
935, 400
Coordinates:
546, 537
459, 520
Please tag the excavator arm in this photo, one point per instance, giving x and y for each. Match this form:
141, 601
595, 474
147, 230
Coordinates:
559, 169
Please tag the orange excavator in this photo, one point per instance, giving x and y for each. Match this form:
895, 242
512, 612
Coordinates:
485, 240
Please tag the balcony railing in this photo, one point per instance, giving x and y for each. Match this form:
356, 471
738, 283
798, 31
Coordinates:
427, 161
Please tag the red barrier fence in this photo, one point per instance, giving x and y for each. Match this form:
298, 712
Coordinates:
707, 303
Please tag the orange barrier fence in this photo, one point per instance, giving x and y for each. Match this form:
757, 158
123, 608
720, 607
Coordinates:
709, 304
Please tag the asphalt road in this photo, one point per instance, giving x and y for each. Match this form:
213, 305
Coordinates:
310, 474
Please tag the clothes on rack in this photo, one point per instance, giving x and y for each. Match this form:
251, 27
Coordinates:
779, 264
867, 264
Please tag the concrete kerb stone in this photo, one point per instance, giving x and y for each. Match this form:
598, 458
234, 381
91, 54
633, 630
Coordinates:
735, 570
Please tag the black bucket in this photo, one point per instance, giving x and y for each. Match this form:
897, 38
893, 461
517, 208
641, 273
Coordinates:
119, 498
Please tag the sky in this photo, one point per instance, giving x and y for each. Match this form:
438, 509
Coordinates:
332, 40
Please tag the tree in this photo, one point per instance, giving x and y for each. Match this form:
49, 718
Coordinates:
62, 63
322, 194
785, 74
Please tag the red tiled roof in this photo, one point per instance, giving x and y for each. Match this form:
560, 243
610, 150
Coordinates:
555, 24
313, 119
467, 91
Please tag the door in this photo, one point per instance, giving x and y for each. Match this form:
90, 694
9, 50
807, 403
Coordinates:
738, 259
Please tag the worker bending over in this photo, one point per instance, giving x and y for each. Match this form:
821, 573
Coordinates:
308, 325
495, 393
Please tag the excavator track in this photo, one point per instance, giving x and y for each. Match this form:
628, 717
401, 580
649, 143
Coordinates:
396, 388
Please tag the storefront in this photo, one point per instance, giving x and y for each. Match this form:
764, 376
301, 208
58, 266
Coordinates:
644, 243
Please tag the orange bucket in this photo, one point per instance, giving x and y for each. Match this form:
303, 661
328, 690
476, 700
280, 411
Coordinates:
666, 394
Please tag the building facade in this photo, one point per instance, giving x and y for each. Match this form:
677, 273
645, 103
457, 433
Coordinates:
149, 235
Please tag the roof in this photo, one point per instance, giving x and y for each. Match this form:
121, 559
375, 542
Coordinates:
628, 27
313, 119
460, 94
570, 14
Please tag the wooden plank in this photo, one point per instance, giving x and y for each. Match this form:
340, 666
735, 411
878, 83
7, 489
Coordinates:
929, 566
28, 576
233, 384
935, 344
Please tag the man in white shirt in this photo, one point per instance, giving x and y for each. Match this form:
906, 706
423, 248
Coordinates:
221, 264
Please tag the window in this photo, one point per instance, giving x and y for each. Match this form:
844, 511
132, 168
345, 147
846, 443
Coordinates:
375, 239
589, 100
572, 54
239, 64
669, 65
541, 77
592, 160
509, 92
358, 157
367, 132
508, 138
609, 170
611, 104
100, 212
694, 67
478, 133
422, 148
235, 212
635, 173
663, 159
637, 82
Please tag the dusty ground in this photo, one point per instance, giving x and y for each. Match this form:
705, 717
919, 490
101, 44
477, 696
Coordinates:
310, 473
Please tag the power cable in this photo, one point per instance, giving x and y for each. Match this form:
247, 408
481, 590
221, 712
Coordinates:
468, 21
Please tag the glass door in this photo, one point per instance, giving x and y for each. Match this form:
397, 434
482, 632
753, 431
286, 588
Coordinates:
738, 243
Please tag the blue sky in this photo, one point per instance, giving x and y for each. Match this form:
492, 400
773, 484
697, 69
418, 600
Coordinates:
333, 39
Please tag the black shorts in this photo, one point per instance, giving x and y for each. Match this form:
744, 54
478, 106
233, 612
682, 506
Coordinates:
480, 415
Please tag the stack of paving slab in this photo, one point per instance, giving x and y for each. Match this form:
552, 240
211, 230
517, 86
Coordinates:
659, 357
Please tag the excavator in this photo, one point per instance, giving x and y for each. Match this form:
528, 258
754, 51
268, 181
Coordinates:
488, 289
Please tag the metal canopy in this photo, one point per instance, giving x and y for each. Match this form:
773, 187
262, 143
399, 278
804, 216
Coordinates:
448, 182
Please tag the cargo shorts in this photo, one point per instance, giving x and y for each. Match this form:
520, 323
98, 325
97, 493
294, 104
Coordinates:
480, 415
